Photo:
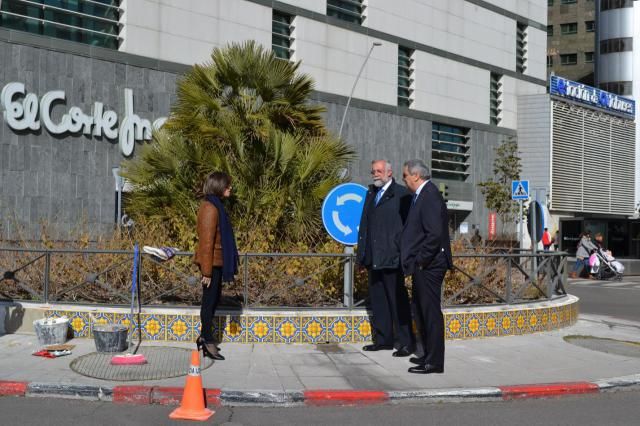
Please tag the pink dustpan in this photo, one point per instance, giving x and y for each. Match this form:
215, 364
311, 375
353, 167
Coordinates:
128, 359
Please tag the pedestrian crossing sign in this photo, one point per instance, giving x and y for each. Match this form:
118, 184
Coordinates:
520, 190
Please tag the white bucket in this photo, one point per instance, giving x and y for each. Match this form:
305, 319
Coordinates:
51, 331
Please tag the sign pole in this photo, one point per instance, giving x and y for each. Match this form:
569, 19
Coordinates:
534, 237
348, 282
521, 226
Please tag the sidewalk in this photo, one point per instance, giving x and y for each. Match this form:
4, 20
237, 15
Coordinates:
279, 369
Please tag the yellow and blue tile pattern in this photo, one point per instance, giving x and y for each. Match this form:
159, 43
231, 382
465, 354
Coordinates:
322, 327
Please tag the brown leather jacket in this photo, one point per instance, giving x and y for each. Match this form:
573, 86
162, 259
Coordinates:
209, 249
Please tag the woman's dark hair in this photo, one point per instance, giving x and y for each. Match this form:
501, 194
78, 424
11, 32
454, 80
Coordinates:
216, 183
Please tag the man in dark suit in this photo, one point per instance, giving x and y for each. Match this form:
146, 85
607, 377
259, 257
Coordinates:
426, 256
385, 209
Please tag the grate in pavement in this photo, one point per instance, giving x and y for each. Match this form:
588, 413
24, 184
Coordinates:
610, 346
162, 362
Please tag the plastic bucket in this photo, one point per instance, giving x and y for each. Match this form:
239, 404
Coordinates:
51, 331
110, 337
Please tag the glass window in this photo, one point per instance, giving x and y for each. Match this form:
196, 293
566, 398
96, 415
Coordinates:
613, 45
549, 30
615, 4
570, 28
623, 88
405, 76
549, 60
588, 57
281, 39
347, 10
568, 1
94, 22
450, 152
590, 26
549, 2
569, 59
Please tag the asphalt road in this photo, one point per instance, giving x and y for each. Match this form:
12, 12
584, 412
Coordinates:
622, 408
615, 299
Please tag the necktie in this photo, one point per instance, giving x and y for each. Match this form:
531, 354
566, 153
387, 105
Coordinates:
413, 200
379, 196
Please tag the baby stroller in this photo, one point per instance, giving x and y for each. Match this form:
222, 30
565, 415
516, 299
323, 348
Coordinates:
604, 266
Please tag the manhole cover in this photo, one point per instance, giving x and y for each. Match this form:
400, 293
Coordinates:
162, 363
610, 346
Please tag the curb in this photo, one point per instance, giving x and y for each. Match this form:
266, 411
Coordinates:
171, 396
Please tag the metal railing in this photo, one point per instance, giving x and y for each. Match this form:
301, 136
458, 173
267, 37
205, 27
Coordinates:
264, 280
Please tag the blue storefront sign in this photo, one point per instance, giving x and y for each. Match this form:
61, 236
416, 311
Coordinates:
341, 211
591, 96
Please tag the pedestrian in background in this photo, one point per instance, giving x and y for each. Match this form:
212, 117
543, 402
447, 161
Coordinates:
426, 256
546, 239
583, 250
216, 255
383, 216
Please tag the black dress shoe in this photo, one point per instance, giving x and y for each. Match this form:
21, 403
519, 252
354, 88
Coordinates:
402, 352
375, 347
419, 360
426, 369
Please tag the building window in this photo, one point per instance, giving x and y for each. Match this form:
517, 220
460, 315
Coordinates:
615, 4
588, 57
569, 59
549, 60
590, 26
91, 22
612, 45
495, 99
282, 35
570, 28
549, 30
405, 76
521, 47
450, 152
622, 88
568, 1
347, 10
549, 2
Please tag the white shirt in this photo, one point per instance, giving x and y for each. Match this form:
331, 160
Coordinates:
384, 188
420, 188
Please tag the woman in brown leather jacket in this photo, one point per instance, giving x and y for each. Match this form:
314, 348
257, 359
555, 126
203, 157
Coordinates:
216, 256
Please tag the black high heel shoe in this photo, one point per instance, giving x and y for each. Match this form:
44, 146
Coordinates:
200, 342
209, 350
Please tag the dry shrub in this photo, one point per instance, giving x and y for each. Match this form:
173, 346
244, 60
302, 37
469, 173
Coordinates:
489, 275
79, 275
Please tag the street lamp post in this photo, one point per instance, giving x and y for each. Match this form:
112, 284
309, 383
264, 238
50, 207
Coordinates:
348, 250
353, 89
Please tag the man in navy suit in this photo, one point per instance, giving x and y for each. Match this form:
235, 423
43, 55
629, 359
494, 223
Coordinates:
425, 251
385, 210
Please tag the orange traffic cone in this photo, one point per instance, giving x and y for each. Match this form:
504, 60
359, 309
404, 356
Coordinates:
192, 405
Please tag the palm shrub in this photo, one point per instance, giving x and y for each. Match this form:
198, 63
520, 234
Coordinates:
246, 113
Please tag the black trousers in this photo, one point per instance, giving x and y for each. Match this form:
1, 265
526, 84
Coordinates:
390, 304
210, 299
427, 286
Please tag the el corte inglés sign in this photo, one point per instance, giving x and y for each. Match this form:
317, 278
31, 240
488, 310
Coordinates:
23, 111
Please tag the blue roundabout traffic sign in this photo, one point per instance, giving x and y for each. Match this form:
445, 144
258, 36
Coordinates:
341, 211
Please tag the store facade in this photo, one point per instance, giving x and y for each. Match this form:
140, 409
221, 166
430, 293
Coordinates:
578, 150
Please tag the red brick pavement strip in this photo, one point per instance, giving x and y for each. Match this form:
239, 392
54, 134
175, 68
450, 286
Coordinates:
547, 389
13, 388
145, 395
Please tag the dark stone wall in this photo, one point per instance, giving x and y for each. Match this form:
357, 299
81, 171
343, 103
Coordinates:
67, 180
